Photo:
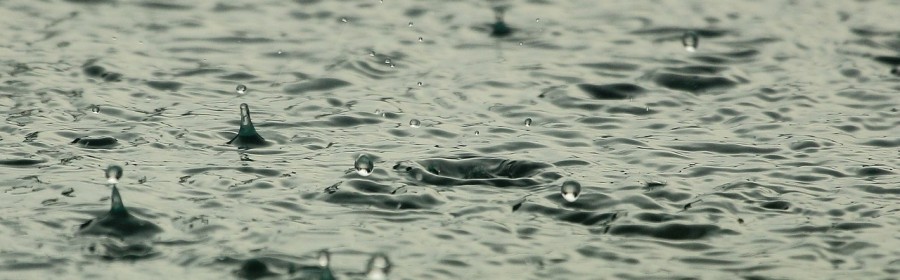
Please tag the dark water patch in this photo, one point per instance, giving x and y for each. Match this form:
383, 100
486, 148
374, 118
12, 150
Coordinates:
890, 60
322, 84
198, 72
884, 143
612, 91
232, 40
595, 252
238, 76
254, 269
805, 144
869, 171
96, 142
571, 162
163, 6
474, 171
697, 70
692, 83
266, 172
510, 147
367, 186
21, 162
673, 31
724, 148
164, 85
97, 71
855, 226
879, 189
776, 205
671, 231
586, 218
385, 201
612, 66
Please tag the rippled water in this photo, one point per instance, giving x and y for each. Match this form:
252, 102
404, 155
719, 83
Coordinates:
769, 152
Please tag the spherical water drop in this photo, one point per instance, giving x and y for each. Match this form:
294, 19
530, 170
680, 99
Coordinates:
410, 24
113, 174
419, 84
241, 89
371, 53
95, 109
344, 20
528, 122
280, 52
477, 133
521, 43
690, 40
570, 190
421, 39
378, 267
414, 123
387, 61
537, 20
364, 165
324, 258
896, 70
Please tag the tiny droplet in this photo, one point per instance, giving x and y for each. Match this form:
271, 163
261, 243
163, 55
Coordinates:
690, 40
371, 53
241, 89
421, 39
378, 267
343, 19
387, 61
324, 258
528, 122
570, 190
95, 109
477, 133
414, 123
364, 165
113, 174
419, 84
537, 20
410, 24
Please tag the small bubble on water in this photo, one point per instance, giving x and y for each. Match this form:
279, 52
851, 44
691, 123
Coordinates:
690, 40
570, 190
378, 267
414, 123
521, 43
528, 122
280, 52
421, 39
364, 165
113, 174
95, 109
410, 24
241, 89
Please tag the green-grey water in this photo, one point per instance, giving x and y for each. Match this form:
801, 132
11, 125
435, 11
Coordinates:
407, 139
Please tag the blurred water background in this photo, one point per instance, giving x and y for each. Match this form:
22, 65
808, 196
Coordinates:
769, 151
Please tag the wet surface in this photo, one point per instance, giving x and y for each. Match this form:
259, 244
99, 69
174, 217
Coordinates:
707, 140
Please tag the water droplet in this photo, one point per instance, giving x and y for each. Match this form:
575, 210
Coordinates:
241, 89
421, 39
364, 165
113, 174
570, 190
387, 61
324, 258
528, 122
419, 84
414, 123
392, 65
477, 133
410, 24
690, 40
521, 43
343, 19
378, 267
280, 52
537, 20
95, 109
371, 53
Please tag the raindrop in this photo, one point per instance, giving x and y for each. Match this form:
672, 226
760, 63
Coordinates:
113, 174
387, 61
324, 258
241, 89
392, 65
477, 133
280, 52
421, 39
537, 20
528, 122
410, 24
344, 20
419, 84
95, 109
371, 53
378, 267
570, 190
521, 43
364, 165
690, 40
414, 123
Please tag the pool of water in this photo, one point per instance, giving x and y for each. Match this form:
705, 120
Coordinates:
450, 139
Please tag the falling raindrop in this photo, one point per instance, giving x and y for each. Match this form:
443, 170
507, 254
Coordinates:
421, 39
528, 122
570, 190
280, 52
113, 174
410, 24
414, 123
690, 40
364, 165
324, 258
344, 20
521, 43
95, 109
371, 53
537, 20
241, 89
477, 133
419, 84
387, 61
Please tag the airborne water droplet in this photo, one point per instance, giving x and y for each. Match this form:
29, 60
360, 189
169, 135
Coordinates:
421, 39
690, 40
419, 84
410, 24
570, 190
477, 133
378, 267
387, 61
241, 89
371, 53
414, 123
528, 122
95, 109
324, 258
364, 165
344, 20
113, 174
537, 20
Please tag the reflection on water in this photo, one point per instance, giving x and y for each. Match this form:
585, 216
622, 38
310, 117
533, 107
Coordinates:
522, 140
